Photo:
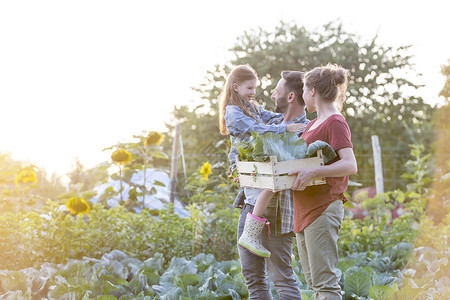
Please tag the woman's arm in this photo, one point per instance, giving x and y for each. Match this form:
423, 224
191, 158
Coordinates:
346, 165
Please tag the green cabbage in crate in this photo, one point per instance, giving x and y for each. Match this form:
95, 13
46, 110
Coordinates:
287, 146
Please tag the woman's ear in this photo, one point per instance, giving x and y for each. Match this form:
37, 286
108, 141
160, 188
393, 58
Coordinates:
235, 86
313, 91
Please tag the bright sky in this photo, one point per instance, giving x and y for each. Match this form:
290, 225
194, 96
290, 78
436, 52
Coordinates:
79, 76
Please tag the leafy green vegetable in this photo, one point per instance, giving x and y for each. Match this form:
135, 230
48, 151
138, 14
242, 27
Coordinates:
285, 147
358, 281
381, 292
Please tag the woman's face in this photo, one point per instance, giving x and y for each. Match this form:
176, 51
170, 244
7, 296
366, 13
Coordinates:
246, 90
309, 99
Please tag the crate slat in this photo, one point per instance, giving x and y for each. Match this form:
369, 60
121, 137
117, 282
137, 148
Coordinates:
284, 167
272, 175
259, 183
254, 167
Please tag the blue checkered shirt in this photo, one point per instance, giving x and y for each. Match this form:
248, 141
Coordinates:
282, 200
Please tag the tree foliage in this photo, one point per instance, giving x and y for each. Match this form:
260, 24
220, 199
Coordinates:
381, 98
445, 70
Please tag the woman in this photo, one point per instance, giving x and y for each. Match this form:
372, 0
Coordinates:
319, 210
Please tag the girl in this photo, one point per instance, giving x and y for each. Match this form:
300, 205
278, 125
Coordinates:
239, 116
318, 210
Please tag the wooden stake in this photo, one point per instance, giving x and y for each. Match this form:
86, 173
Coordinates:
174, 167
377, 164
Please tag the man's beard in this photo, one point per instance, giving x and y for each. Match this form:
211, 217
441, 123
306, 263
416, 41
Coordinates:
282, 105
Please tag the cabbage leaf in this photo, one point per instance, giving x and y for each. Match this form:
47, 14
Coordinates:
287, 146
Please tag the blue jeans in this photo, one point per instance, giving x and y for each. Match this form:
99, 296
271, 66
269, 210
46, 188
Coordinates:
278, 265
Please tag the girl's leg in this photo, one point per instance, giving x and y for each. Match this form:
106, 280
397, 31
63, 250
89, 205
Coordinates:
253, 267
261, 203
254, 225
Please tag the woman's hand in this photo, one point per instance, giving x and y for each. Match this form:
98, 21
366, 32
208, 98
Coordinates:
294, 127
304, 177
345, 166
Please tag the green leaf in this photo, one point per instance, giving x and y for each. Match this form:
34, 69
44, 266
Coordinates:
59, 291
328, 152
15, 280
302, 278
106, 297
345, 264
161, 155
286, 146
409, 292
159, 183
109, 287
349, 204
357, 283
185, 280
381, 292
115, 176
307, 294
139, 283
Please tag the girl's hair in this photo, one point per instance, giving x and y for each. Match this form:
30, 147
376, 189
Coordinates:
229, 96
330, 82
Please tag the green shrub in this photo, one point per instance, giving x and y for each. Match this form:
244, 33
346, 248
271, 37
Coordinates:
30, 239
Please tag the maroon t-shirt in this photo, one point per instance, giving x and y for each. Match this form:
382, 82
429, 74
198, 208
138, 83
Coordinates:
310, 203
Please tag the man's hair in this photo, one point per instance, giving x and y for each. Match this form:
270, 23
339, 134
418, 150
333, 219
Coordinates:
294, 84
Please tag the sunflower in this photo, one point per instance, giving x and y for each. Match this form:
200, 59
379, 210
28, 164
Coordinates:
78, 205
121, 156
206, 170
153, 138
25, 175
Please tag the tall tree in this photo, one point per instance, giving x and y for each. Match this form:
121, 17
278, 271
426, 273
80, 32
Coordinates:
380, 98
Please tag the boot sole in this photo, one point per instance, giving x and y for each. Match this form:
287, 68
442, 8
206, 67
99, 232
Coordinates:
257, 253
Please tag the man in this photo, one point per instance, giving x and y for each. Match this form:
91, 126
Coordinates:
289, 101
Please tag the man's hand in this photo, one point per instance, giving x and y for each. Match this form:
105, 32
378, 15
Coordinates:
295, 127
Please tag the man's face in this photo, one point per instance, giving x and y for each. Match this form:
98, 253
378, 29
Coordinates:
280, 97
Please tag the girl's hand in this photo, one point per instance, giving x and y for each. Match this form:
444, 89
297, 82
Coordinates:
294, 127
235, 179
304, 177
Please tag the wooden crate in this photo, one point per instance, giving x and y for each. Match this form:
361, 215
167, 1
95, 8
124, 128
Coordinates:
272, 175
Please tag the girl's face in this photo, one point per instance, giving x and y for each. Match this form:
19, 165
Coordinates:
246, 90
309, 99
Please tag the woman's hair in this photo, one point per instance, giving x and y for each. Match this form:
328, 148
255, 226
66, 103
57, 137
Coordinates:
230, 97
329, 81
